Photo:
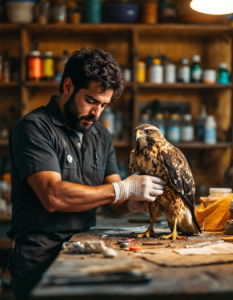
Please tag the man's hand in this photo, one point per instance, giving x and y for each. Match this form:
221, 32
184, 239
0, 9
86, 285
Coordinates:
139, 188
138, 206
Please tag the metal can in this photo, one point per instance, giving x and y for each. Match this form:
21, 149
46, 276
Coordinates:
34, 66
48, 65
141, 71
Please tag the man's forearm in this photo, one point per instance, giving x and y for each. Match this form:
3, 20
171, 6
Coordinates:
120, 208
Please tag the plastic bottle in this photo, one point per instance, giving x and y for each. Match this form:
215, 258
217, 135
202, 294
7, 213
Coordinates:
210, 130
187, 129
34, 66
108, 120
196, 70
141, 71
160, 123
156, 71
183, 74
223, 75
145, 119
170, 73
201, 124
173, 130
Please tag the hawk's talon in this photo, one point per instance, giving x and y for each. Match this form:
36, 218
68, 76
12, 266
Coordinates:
146, 234
173, 236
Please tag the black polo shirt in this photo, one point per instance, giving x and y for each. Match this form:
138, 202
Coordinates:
41, 141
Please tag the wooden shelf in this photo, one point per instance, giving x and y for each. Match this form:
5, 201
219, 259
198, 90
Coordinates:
121, 144
202, 86
200, 145
9, 84
50, 84
4, 143
157, 29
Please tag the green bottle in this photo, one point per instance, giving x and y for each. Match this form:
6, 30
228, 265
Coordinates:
223, 75
196, 70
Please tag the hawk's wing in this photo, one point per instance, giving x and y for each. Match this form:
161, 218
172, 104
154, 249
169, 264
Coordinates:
180, 174
132, 163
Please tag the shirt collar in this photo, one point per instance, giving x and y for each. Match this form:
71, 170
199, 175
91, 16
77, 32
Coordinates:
56, 115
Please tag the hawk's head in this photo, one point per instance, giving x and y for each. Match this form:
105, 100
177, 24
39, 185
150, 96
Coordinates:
147, 134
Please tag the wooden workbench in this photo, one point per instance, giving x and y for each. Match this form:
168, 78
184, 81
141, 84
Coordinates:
174, 277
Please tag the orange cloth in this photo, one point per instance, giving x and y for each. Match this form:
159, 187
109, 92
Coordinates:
214, 217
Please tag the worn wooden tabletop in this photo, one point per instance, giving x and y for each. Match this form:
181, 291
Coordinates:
173, 276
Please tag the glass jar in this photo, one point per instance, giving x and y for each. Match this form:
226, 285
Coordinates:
48, 65
108, 120
145, 119
59, 13
159, 122
34, 66
170, 73
141, 71
173, 129
196, 70
215, 194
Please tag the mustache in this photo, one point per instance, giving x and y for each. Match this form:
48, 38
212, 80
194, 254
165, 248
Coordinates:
89, 118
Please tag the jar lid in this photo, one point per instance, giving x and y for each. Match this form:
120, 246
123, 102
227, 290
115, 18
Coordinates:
48, 53
187, 117
159, 116
141, 64
196, 58
174, 116
209, 72
34, 53
156, 61
145, 116
210, 118
222, 65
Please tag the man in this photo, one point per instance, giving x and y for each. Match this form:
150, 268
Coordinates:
64, 167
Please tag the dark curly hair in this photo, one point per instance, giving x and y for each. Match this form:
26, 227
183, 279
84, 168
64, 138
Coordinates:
94, 65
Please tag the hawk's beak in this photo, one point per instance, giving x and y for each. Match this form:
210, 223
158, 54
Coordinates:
139, 135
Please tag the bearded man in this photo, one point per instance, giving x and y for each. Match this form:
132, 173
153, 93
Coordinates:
63, 166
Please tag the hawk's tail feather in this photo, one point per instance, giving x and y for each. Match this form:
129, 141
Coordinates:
195, 222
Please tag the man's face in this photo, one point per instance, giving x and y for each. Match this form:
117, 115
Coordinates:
83, 109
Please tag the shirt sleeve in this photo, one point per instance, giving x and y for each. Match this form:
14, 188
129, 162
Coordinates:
111, 166
32, 149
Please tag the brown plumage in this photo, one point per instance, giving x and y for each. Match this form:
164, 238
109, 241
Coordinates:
155, 156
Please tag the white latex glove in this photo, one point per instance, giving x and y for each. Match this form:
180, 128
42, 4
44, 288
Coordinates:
138, 206
139, 188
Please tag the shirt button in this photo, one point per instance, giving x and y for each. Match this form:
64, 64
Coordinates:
69, 158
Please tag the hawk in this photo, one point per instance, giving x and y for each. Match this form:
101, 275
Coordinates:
155, 156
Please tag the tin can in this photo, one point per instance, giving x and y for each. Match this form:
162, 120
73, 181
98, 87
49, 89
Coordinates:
141, 71
48, 65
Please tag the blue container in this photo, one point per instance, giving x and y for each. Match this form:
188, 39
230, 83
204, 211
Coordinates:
93, 11
122, 12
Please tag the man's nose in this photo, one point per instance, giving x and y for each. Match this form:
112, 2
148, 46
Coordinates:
96, 111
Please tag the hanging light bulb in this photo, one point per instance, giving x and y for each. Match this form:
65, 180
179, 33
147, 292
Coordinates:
213, 7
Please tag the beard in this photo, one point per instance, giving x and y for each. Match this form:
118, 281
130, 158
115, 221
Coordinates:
72, 114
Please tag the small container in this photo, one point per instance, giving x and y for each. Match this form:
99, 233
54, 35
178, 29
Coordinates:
215, 194
141, 71
93, 11
34, 66
145, 119
209, 76
150, 12
108, 120
48, 66
173, 130
160, 123
201, 124
156, 72
59, 13
196, 70
183, 74
127, 74
170, 73
187, 129
223, 74
210, 136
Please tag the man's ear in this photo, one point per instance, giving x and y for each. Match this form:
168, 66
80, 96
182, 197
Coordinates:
68, 87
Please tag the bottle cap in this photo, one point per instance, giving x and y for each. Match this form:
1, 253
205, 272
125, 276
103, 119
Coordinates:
184, 61
222, 65
156, 61
187, 117
48, 53
34, 53
174, 116
141, 64
145, 116
196, 58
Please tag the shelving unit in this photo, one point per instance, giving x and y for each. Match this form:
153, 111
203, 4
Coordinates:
129, 43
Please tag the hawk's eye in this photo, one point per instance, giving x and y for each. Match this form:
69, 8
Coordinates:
147, 131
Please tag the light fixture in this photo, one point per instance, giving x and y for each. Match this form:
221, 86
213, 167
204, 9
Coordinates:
213, 7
